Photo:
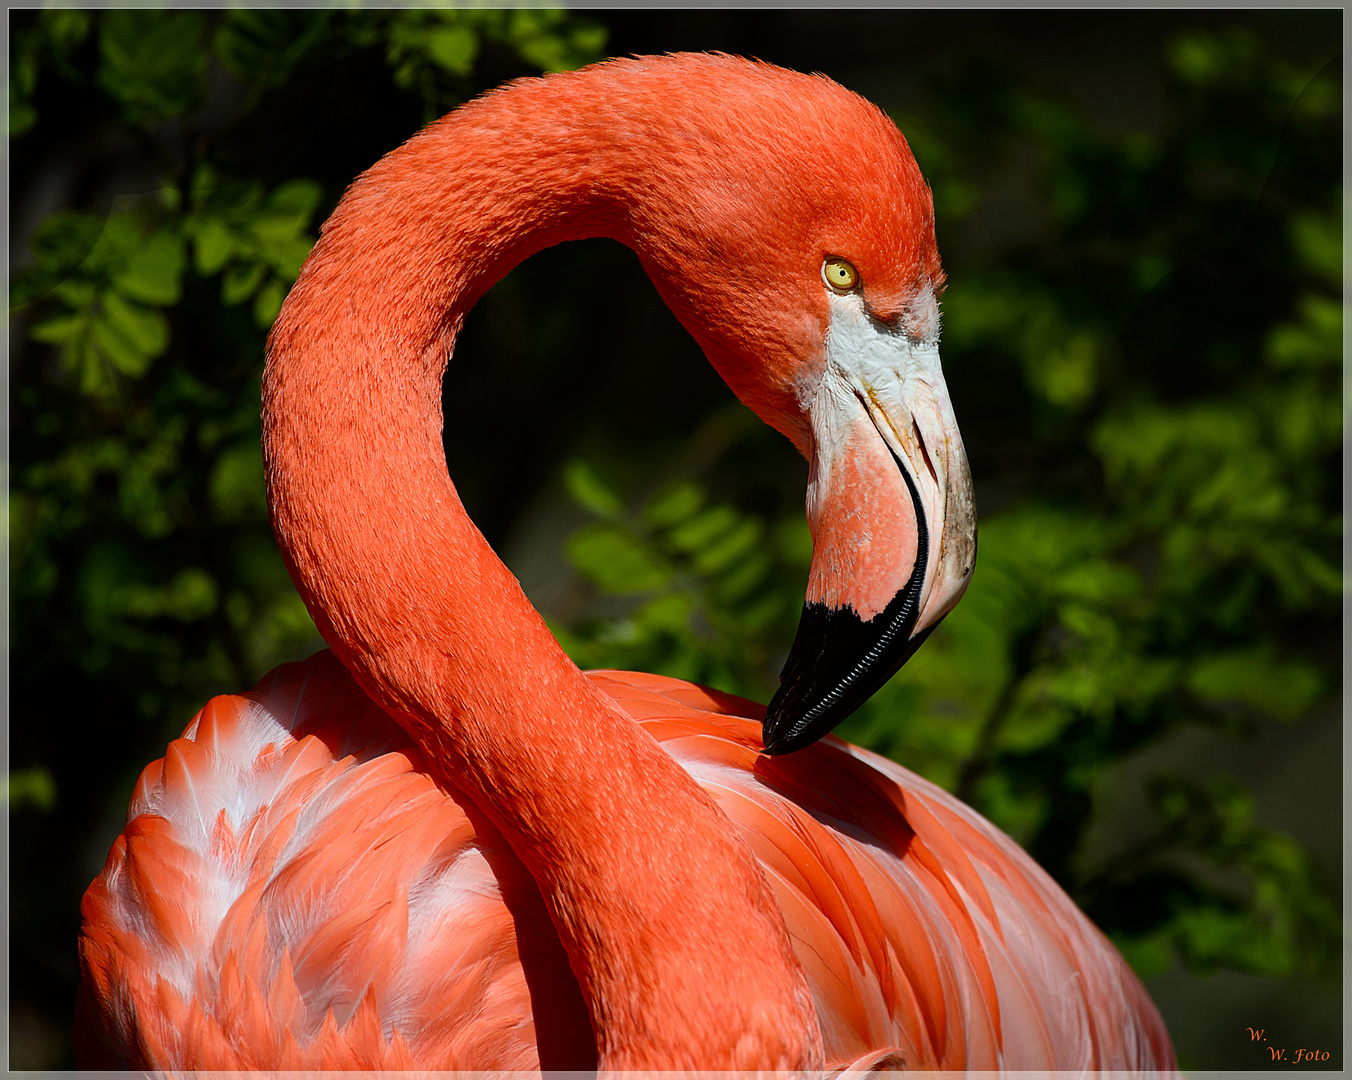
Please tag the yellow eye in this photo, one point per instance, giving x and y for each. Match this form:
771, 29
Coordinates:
840, 275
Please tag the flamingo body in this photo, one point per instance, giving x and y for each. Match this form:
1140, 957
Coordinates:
441, 846
294, 891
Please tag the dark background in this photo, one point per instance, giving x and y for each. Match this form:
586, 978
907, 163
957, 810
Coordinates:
1134, 210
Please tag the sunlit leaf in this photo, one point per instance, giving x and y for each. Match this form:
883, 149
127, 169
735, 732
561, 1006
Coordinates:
190, 594
674, 504
154, 271
33, 786
107, 343
268, 302
453, 47
699, 533
669, 613
1315, 341
213, 244
287, 256
615, 561
59, 329
145, 330
1318, 240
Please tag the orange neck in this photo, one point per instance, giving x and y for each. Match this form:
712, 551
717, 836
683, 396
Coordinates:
679, 948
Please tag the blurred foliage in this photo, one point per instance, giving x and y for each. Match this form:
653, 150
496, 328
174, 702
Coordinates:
720, 588
137, 515
1156, 440
1169, 550
32, 786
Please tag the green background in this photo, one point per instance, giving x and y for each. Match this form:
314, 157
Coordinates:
1140, 217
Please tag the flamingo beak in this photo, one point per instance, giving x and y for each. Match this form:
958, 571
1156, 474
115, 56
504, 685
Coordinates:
893, 523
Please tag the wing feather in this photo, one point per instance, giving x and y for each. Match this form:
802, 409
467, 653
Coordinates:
954, 947
293, 888
294, 891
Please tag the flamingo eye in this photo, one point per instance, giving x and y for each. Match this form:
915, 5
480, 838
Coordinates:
840, 275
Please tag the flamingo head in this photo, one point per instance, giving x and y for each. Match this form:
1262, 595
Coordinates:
795, 240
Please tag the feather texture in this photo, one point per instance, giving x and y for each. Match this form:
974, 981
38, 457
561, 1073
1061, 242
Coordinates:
294, 891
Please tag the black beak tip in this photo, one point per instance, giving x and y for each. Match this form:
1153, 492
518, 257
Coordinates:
814, 696
779, 738
839, 660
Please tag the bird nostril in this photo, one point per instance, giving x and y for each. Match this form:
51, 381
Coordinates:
920, 441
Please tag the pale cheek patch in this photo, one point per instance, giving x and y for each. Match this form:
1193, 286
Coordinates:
881, 392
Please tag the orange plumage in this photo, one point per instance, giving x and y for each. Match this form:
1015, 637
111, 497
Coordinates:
352, 913
441, 846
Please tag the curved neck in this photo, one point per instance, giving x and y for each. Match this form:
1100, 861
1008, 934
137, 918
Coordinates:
673, 934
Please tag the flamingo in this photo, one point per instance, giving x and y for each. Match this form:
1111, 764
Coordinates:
441, 845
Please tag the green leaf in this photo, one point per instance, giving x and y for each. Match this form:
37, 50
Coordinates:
298, 197
1067, 373
590, 491
154, 272
1313, 342
453, 48
213, 244
615, 561
59, 329
268, 303
33, 786
1285, 689
730, 547
85, 359
112, 346
554, 40
1147, 954
1214, 60
793, 541
241, 281
188, 596
22, 117
1214, 936
76, 292
65, 29
288, 256
1318, 240
670, 614
146, 331
211, 195
674, 504
700, 532
286, 212
742, 579
152, 61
